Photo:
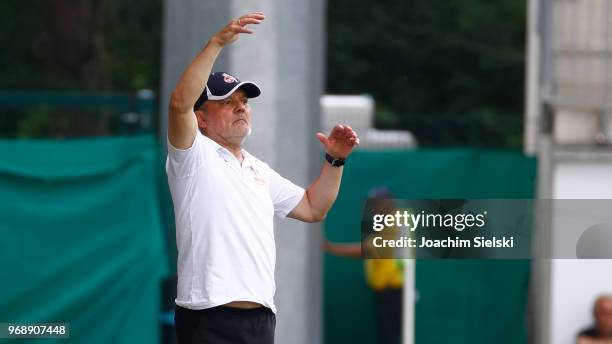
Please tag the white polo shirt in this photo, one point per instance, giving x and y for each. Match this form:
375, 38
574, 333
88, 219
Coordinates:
224, 224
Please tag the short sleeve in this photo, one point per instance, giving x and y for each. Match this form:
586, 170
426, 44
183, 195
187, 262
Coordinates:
285, 195
183, 163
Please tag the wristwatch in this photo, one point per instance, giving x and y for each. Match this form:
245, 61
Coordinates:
333, 161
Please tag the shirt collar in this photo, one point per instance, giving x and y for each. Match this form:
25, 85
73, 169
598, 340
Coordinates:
248, 158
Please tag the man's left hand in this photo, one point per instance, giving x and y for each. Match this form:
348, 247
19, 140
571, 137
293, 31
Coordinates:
340, 142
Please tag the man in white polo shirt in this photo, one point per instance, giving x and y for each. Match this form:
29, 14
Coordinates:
225, 200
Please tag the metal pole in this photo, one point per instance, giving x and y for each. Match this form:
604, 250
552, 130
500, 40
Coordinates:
540, 303
603, 136
409, 301
532, 80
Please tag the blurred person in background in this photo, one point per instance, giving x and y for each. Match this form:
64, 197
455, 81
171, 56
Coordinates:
601, 332
385, 277
225, 200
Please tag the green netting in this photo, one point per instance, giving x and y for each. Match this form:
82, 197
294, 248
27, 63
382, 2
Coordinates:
459, 301
82, 240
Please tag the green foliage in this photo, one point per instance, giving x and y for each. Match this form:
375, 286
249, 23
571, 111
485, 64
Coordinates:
64, 45
21, 25
107, 45
434, 66
432, 58
42, 121
135, 41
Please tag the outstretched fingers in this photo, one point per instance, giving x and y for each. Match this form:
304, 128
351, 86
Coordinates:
258, 16
237, 26
251, 18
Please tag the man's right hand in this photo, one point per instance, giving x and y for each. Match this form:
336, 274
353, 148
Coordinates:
237, 26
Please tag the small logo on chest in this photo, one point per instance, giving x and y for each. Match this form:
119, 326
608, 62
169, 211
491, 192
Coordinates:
257, 177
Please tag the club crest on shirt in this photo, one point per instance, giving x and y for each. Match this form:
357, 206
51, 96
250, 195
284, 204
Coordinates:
229, 79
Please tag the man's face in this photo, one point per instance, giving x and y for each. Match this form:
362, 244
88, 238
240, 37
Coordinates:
226, 121
603, 316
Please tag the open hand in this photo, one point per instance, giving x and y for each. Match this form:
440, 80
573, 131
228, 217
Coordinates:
237, 26
340, 142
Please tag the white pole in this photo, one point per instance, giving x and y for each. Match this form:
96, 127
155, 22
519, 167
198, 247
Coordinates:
532, 80
409, 302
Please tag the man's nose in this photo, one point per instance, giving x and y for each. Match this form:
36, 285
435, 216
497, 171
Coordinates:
240, 107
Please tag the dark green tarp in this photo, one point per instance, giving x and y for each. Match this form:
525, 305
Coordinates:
459, 301
81, 237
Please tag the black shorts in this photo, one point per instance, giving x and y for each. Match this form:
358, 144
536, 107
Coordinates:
221, 325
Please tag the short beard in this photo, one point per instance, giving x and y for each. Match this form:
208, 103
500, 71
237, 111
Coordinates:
239, 140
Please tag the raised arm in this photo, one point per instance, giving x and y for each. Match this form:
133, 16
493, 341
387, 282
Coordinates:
182, 122
322, 193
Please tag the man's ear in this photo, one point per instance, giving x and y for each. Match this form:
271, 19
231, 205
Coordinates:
201, 117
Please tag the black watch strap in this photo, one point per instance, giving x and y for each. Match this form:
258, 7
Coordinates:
333, 161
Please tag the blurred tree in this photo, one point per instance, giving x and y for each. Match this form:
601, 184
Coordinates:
76, 45
99, 45
433, 66
433, 59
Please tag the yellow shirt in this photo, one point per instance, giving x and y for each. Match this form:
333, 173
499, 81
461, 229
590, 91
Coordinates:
384, 273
